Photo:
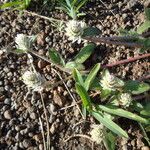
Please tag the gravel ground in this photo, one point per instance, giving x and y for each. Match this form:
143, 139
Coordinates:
21, 109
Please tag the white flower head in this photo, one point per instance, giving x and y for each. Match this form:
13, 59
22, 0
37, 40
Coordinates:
110, 82
97, 133
24, 42
125, 99
33, 80
75, 30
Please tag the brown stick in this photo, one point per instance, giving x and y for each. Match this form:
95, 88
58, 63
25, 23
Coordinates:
131, 59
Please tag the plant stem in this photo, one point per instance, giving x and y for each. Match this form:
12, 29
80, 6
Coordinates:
43, 17
43, 137
78, 135
49, 61
110, 40
47, 122
131, 59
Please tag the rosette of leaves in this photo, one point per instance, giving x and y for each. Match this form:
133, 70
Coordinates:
76, 62
16, 4
85, 83
72, 7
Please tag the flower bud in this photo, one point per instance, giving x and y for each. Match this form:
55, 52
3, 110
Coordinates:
75, 30
125, 99
33, 80
24, 42
110, 82
97, 133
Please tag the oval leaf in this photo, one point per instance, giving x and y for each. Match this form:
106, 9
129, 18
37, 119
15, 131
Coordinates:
91, 31
56, 57
143, 27
71, 65
136, 87
84, 53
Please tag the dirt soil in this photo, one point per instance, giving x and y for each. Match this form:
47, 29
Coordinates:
21, 109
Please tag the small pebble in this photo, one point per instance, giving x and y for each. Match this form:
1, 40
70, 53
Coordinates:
7, 101
8, 114
145, 148
26, 143
33, 115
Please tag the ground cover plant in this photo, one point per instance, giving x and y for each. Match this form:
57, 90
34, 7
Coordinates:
105, 98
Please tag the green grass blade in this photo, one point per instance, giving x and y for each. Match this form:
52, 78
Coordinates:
10, 4
81, 4
83, 95
122, 113
78, 77
90, 78
110, 124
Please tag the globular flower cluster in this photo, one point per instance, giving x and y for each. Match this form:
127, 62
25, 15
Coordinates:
24, 42
97, 133
110, 82
33, 80
125, 99
75, 30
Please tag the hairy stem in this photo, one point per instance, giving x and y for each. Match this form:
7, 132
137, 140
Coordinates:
131, 59
110, 40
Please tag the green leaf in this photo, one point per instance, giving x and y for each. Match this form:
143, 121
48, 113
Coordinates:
146, 110
109, 124
68, 3
143, 27
84, 53
83, 95
105, 93
81, 4
20, 51
95, 85
136, 87
123, 113
109, 141
90, 78
56, 57
71, 65
10, 4
147, 13
137, 106
78, 77
91, 31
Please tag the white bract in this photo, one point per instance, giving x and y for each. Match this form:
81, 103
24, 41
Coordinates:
24, 42
33, 80
110, 82
75, 30
97, 133
125, 99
